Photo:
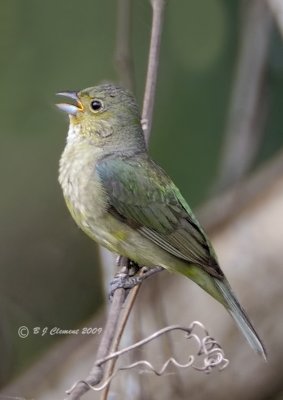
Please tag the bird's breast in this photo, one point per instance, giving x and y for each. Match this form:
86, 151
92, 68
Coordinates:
82, 189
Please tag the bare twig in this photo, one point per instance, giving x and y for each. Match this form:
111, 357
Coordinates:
120, 329
154, 336
158, 8
248, 104
207, 347
97, 371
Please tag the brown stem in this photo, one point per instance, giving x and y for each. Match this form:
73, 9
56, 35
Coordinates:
120, 329
97, 372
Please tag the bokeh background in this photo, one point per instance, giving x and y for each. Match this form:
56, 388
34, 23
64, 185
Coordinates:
49, 271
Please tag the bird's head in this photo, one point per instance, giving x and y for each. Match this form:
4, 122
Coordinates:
105, 115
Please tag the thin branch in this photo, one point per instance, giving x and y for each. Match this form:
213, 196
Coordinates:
154, 336
97, 372
120, 329
158, 11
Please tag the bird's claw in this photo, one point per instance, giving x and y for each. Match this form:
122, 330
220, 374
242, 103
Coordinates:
128, 280
123, 281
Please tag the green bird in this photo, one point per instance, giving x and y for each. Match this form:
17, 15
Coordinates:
126, 202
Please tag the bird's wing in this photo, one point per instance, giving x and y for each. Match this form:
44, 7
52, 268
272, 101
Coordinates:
143, 196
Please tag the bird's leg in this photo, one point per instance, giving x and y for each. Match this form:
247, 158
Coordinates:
127, 278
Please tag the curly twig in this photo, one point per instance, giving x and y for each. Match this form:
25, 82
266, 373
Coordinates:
209, 348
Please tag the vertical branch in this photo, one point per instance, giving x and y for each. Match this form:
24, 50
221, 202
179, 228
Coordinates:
158, 8
118, 335
247, 112
123, 52
97, 372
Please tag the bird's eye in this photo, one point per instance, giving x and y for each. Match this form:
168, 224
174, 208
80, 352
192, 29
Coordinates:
96, 105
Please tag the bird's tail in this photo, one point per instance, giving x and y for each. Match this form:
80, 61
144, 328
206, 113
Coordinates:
239, 316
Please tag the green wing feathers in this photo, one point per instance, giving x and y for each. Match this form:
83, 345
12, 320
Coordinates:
143, 196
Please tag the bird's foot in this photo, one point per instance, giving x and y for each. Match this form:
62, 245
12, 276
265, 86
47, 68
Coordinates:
123, 281
126, 281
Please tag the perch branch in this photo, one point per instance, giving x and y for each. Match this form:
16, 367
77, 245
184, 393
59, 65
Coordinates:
97, 372
120, 329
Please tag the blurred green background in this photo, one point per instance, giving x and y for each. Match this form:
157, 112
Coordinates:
49, 273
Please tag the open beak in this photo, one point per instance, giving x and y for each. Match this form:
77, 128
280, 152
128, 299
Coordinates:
70, 108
